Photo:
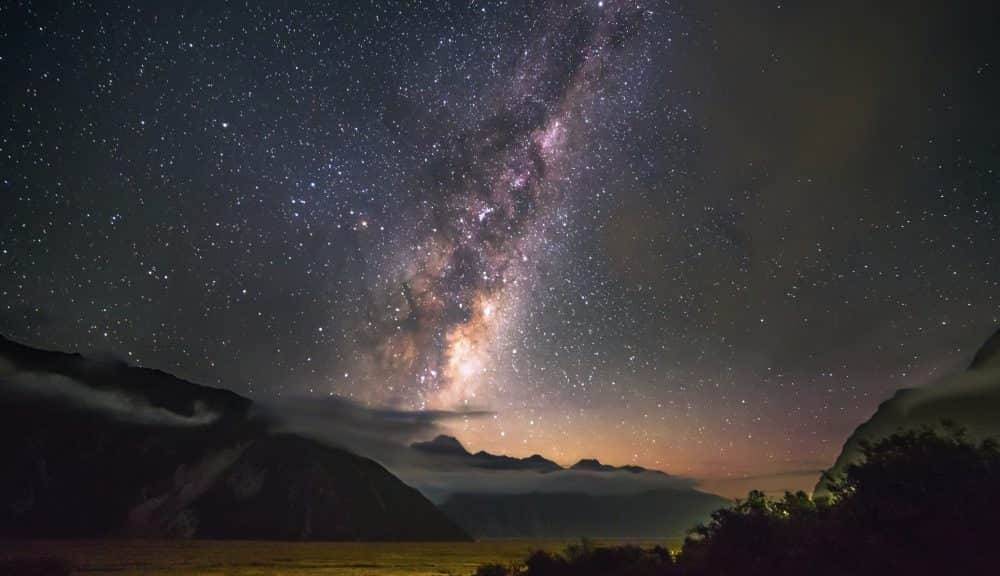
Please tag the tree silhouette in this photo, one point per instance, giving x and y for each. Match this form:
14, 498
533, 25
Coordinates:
921, 502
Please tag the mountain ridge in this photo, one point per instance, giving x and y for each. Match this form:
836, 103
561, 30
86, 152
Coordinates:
104, 449
449, 446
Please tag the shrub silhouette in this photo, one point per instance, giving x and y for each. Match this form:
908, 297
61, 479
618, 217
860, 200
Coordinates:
745, 536
493, 570
543, 563
919, 503
586, 560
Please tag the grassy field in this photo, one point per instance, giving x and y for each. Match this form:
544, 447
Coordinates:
291, 558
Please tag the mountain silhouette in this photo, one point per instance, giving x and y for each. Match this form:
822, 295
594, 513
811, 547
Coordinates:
450, 447
969, 399
576, 502
593, 465
442, 444
98, 449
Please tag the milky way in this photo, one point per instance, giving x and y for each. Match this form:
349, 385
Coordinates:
442, 323
703, 236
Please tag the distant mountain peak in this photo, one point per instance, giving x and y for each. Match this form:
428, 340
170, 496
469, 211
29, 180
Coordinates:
595, 465
449, 446
441, 444
592, 465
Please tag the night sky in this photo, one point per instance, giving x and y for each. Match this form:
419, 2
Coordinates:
706, 237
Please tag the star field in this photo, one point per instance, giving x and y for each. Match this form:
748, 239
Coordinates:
698, 237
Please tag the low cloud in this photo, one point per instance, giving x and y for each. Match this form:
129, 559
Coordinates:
385, 435
437, 484
380, 433
118, 405
377, 432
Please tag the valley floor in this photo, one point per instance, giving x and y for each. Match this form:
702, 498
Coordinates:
159, 558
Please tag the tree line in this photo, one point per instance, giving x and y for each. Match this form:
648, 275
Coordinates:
920, 502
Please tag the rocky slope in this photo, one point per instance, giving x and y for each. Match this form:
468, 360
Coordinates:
96, 449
